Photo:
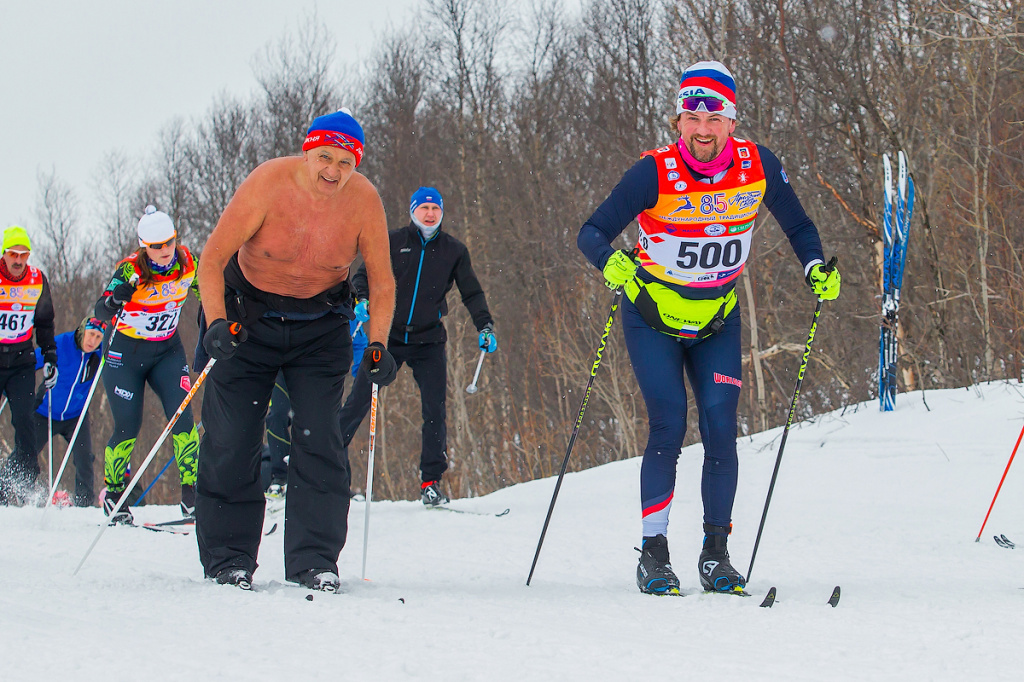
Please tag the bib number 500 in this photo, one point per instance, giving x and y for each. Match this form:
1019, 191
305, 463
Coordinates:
711, 255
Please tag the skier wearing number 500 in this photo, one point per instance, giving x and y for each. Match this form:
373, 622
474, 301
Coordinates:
696, 202
146, 295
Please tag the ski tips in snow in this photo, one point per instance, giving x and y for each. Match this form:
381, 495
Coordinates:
1004, 542
769, 599
833, 601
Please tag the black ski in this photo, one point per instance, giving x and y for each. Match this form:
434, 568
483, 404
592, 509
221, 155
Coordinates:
999, 541
834, 599
1007, 541
473, 513
159, 528
769, 599
175, 522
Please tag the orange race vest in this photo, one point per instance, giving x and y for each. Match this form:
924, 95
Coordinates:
699, 235
18, 306
153, 312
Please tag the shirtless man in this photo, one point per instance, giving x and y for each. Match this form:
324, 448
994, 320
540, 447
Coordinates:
278, 263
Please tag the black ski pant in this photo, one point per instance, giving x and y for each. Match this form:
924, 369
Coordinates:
19, 385
131, 364
314, 356
81, 453
430, 370
279, 438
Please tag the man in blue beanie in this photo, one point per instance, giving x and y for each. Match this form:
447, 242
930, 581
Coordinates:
426, 262
276, 298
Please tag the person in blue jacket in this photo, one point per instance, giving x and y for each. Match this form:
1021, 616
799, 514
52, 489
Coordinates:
78, 354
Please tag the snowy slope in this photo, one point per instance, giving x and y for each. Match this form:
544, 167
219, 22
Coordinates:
886, 505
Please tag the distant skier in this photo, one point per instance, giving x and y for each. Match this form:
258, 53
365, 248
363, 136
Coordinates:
696, 202
145, 347
79, 352
25, 309
426, 262
277, 265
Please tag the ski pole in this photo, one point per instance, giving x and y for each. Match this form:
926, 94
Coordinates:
789, 421
3, 405
1000, 486
152, 453
49, 432
74, 434
358, 327
153, 482
576, 428
369, 465
471, 389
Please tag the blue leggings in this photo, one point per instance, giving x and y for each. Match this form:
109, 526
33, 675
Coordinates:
714, 367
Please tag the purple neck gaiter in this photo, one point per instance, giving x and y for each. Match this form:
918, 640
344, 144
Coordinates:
707, 168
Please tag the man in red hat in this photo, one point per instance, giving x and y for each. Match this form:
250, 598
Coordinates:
277, 264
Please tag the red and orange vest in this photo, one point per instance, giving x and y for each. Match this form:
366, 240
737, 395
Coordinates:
18, 306
698, 234
153, 312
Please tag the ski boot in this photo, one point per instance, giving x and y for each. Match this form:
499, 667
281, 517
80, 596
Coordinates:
654, 573
188, 502
239, 577
319, 579
716, 573
277, 489
431, 495
110, 500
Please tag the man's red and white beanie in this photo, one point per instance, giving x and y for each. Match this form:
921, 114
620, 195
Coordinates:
708, 79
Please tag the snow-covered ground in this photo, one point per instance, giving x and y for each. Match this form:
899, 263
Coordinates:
886, 505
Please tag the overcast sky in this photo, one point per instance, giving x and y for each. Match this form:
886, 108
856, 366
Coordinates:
79, 79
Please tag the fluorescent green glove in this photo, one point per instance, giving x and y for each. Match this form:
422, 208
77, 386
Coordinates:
619, 269
825, 281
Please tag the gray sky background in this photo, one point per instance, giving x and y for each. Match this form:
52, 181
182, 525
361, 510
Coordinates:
79, 79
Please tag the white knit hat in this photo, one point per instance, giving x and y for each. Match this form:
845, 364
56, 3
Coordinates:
156, 227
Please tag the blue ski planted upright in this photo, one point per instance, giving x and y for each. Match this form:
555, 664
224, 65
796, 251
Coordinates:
897, 216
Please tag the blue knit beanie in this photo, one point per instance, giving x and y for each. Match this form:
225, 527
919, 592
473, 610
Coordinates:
425, 195
340, 130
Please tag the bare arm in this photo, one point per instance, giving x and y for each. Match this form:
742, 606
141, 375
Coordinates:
242, 218
375, 248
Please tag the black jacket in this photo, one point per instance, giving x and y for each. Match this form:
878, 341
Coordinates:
424, 274
23, 353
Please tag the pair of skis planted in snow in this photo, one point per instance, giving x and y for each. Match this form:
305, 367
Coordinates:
896, 219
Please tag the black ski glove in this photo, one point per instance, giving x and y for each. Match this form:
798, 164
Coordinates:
123, 293
222, 338
50, 369
378, 365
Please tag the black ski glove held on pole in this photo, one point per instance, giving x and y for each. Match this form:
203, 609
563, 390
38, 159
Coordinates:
223, 338
378, 365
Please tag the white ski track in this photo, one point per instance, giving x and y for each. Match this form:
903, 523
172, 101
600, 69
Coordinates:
886, 505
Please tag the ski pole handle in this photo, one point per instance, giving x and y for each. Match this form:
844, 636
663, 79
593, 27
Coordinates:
471, 389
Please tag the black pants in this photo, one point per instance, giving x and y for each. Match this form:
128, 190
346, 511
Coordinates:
81, 454
131, 364
315, 357
430, 370
19, 385
279, 437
